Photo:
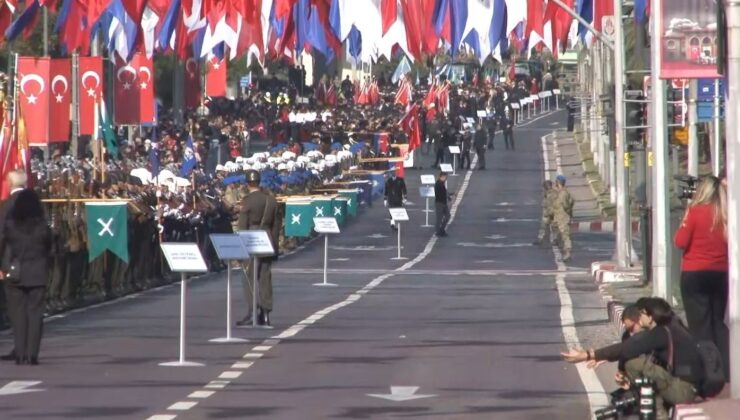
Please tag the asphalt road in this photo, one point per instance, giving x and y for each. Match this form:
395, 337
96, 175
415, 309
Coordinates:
469, 327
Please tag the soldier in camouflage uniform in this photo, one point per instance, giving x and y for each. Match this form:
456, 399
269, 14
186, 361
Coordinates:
232, 201
548, 200
562, 214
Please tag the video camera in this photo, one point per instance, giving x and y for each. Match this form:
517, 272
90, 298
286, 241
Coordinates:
638, 400
687, 186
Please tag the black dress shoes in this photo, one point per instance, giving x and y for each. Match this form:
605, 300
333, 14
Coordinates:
263, 318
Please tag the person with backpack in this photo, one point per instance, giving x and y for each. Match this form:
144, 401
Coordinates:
681, 367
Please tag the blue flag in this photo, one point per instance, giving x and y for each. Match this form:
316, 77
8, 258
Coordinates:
498, 23
26, 18
355, 42
189, 160
154, 154
169, 25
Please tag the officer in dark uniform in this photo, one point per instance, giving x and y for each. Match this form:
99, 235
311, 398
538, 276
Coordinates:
508, 128
479, 142
259, 211
395, 193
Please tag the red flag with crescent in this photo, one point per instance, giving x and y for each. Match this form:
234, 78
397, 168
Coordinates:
145, 76
60, 100
91, 87
193, 89
33, 87
216, 77
126, 99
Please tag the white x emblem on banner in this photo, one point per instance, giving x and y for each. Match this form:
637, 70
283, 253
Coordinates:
296, 219
105, 227
319, 212
337, 211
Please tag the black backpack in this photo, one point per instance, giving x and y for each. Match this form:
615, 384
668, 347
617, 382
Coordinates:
713, 372
713, 369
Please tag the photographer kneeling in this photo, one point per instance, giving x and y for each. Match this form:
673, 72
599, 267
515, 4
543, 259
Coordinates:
664, 353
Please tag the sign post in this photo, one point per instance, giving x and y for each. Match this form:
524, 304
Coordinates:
228, 248
183, 258
325, 226
399, 214
556, 92
426, 191
454, 150
427, 181
257, 243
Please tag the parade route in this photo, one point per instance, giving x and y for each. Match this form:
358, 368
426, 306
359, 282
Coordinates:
470, 326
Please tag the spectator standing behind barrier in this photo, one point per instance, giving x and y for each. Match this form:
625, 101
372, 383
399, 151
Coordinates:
704, 267
441, 204
507, 123
465, 146
665, 352
25, 247
259, 211
395, 193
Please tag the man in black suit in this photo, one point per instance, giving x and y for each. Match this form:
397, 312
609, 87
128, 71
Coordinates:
17, 181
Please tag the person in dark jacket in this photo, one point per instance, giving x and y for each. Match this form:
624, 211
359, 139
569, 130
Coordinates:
479, 142
665, 352
17, 182
25, 246
507, 126
395, 193
441, 204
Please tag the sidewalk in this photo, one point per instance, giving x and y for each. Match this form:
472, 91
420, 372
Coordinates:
618, 287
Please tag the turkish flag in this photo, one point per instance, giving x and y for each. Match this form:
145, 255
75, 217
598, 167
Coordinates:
602, 8
389, 13
91, 87
410, 125
192, 83
33, 84
134, 91
145, 84
61, 100
216, 77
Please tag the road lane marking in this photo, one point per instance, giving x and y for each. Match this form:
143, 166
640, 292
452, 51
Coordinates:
594, 389
182, 405
201, 394
217, 384
162, 417
354, 297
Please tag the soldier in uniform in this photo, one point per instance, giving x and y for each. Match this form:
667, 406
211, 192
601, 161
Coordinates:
562, 214
548, 201
259, 211
232, 200
395, 193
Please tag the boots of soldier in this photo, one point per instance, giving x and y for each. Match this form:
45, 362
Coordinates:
566, 255
263, 318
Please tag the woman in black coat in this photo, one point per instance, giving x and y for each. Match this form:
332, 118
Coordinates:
26, 247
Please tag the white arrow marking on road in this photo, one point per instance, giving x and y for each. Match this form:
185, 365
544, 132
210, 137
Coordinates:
495, 237
19, 387
492, 245
402, 393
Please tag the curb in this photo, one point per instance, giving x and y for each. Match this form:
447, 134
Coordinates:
689, 412
601, 226
607, 272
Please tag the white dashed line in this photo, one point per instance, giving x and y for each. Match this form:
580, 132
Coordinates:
162, 417
594, 389
242, 365
217, 384
201, 394
230, 375
182, 405
262, 349
252, 356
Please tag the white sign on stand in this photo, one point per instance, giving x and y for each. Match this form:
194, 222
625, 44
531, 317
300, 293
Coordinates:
428, 179
541, 95
445, 167
325, 226
228, 248
454, 150
471, 120
514, 106
183, 258
482, 113
426, 192
399, 214
258, 244
556, 91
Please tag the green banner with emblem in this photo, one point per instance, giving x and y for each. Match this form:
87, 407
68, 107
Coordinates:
352, 197
107, 229
339, 209
298, 219
322, 207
